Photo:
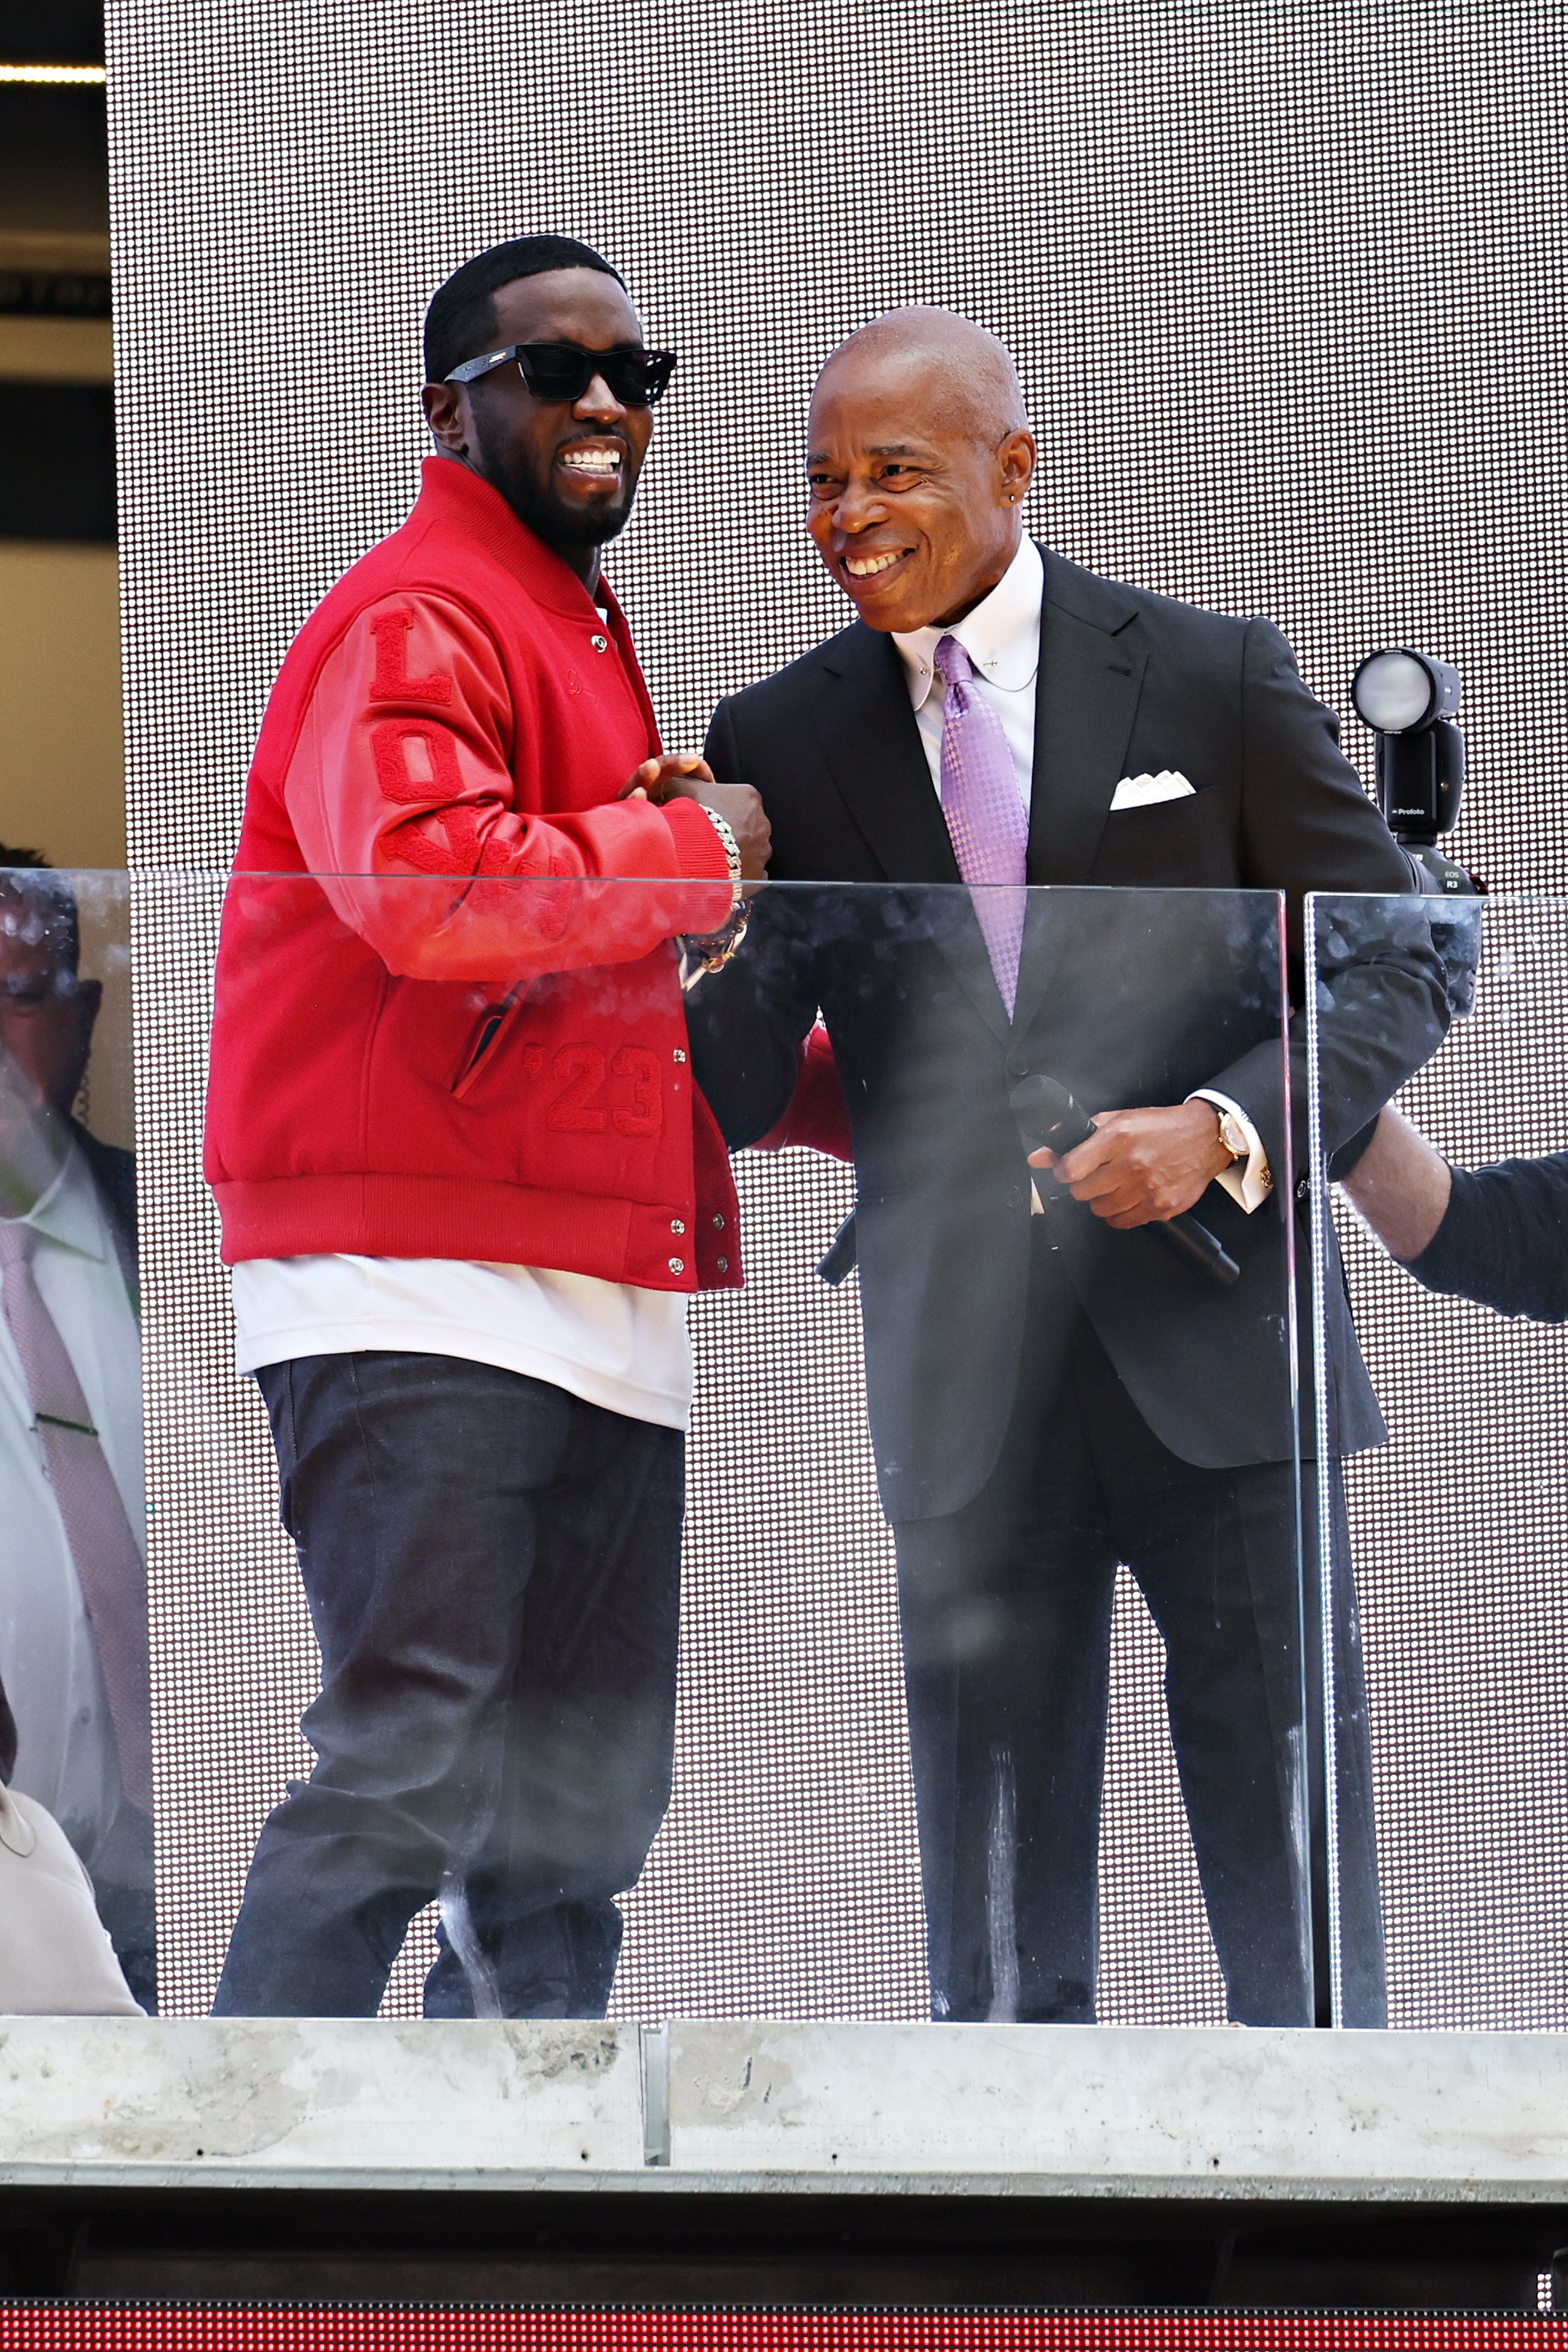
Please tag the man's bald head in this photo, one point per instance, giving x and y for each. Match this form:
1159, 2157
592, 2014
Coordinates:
965, 371
46, 1012
918, 453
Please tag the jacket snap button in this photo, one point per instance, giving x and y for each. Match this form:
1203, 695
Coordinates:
600, 645
677, 1266
723, 1263
717, 1222
678, 1225
680, 1053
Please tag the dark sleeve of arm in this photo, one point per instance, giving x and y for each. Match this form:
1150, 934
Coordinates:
748, 1022
1381, 999
1503, 1239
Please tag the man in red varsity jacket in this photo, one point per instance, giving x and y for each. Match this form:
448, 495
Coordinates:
467, 1183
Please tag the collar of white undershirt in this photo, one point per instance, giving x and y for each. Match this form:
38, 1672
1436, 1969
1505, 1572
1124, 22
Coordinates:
1001, 636
69, 1212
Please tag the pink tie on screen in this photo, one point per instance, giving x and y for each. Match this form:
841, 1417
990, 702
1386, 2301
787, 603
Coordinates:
108, 1561
985, 815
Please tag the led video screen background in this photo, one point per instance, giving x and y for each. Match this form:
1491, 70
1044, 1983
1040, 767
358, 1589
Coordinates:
1285, 288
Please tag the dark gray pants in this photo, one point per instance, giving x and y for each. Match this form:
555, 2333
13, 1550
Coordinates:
493, 1568
1006, 1608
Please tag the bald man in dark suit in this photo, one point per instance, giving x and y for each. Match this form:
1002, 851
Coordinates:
1052, 1393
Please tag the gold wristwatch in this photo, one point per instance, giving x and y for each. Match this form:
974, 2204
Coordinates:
1231, 1134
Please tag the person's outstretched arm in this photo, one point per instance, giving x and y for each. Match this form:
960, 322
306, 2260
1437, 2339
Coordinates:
400, 794
1498, 1236
1400, 1186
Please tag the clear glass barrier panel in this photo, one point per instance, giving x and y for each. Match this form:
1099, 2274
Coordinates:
466, 1194
1452, 1213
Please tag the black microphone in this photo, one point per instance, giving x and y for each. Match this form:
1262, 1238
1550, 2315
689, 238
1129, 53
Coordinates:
1050, 1120
837, 1263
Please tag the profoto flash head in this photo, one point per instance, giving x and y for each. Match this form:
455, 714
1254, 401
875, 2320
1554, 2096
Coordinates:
1409, 701
1398, 692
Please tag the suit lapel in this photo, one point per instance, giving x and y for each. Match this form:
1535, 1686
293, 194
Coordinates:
114, 1177
873, 748
1091, 676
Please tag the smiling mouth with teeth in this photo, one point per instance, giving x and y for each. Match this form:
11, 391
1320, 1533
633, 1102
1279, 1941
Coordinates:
604, 463
866, 567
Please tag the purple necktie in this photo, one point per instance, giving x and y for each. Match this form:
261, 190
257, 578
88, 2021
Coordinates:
985, 813
109, 1564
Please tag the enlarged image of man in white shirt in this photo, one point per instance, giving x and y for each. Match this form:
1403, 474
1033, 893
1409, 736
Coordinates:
73, 1586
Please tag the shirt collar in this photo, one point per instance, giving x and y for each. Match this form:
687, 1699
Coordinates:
70, 1213
1001, 636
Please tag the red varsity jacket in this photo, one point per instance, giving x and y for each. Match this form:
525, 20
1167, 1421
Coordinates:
441, 1029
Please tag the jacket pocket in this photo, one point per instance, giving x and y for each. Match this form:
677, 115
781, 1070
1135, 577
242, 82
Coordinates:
1177, 843
482, 1047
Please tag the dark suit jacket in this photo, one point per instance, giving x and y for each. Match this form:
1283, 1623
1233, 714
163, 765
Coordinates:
1133, 998
115, 1173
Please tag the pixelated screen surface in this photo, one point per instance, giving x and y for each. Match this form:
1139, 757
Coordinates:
1461, 1527
1285, 290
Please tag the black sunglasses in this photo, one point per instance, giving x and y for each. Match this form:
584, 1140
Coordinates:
565, 371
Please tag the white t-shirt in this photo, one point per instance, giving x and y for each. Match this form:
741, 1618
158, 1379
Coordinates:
607, 1342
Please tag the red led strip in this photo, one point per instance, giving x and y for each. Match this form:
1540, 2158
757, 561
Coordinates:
146, 2328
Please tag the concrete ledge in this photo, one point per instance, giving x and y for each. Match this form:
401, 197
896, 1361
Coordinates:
1116, 2112
869, 2109
178, 2102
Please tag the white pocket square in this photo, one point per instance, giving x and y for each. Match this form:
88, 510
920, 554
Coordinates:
1142, 792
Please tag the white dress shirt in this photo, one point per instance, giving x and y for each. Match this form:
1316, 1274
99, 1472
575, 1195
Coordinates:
1002, 639
66, 1756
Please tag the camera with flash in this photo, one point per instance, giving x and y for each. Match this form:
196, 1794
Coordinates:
1409, 701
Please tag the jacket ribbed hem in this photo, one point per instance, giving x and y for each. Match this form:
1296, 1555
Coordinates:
457, 1217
